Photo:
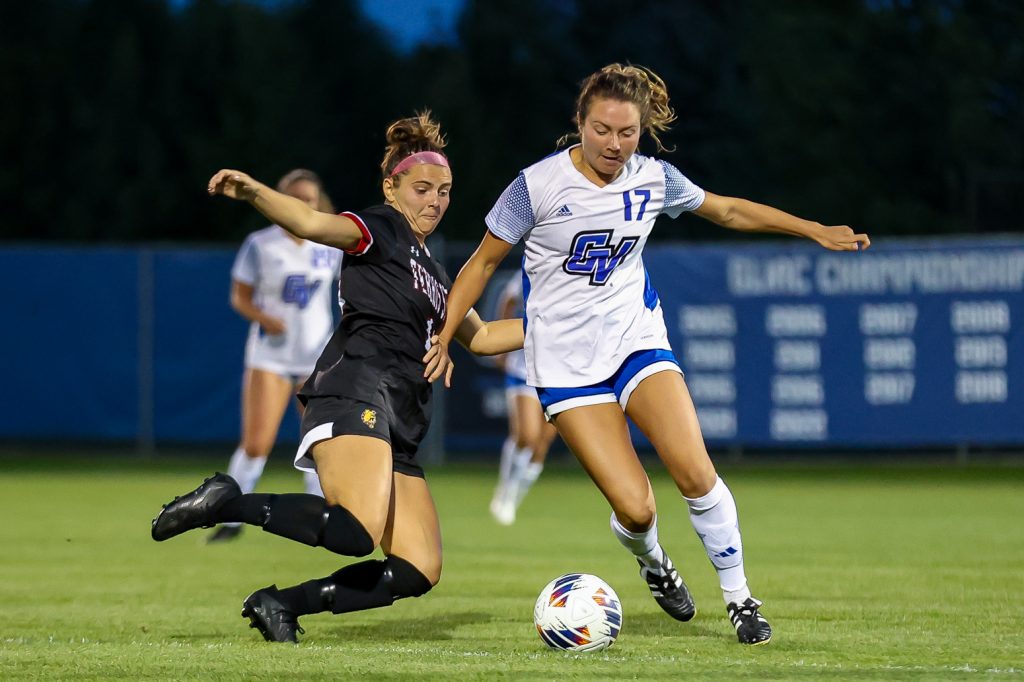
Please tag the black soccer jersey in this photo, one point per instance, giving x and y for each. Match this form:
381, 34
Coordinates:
395, 297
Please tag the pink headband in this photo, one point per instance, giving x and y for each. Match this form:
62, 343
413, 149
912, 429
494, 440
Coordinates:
418, 158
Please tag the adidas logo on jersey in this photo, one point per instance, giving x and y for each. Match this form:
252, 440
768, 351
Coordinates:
564, 211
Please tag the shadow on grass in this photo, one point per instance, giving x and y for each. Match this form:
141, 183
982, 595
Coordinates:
434, 628
438, 627
661, 625
441, 628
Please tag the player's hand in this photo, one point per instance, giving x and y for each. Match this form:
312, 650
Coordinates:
841, 238
438, 363
233, 184
273, 326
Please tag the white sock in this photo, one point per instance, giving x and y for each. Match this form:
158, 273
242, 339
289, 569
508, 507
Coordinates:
246, 470
312, 483
521, 460
715, 519
508, 452
527, 477
644, 545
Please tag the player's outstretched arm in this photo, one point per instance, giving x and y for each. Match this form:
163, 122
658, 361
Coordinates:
290, 213
490, 338
466, 291
748, 216
480, 338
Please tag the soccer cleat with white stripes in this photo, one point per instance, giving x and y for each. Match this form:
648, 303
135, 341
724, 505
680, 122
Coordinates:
751, 627
668, 589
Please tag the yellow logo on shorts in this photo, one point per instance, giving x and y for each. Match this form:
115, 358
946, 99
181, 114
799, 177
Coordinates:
369, 418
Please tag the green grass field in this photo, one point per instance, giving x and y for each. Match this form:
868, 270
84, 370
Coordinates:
878, 572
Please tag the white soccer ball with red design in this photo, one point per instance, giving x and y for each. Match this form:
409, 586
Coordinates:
578, 612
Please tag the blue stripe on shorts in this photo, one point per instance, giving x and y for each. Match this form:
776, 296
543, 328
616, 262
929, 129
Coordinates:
613, 385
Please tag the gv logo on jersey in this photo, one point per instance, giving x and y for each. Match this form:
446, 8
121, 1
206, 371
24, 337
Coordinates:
594, 255
298, 291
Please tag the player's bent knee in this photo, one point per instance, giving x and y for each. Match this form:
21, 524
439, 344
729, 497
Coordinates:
698, 484
406, 580
635, 518
344, 534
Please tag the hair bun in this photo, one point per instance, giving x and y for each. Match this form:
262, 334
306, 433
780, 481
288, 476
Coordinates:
419, 133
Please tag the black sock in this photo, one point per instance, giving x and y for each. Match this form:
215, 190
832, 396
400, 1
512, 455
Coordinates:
357, 587
301, 517
249, 509
305, 598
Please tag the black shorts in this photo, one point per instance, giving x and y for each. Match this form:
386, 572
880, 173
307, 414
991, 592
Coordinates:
399, 415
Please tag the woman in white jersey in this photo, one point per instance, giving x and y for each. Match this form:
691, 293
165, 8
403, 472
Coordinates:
283, 285
529, 435
596, 345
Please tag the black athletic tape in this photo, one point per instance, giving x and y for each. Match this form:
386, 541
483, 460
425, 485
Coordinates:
370, 585
404, 579
295, 516
307, 519
343, 533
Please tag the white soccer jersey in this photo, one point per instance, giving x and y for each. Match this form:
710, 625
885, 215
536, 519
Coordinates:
589, 302
515, 362
292, 282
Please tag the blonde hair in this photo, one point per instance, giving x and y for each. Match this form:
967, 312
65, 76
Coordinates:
299, 174
419, 133
627, 83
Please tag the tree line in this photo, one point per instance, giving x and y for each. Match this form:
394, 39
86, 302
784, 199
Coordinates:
894, 116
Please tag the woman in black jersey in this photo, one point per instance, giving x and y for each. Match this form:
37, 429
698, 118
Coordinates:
367, 402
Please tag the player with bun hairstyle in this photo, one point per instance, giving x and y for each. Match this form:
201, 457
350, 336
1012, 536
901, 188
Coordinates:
596, 345
367, 401
281, 284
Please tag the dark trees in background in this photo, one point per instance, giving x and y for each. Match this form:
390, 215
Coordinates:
896, 116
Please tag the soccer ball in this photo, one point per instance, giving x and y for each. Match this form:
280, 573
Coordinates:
578, 612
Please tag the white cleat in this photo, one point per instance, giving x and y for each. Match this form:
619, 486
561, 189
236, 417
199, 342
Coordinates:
503, 512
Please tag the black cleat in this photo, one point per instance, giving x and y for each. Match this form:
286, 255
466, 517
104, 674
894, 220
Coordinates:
267, 614
195, 509
751, 627
669, 590
224, 533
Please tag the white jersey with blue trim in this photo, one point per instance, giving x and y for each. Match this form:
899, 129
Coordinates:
292, 282
589, 303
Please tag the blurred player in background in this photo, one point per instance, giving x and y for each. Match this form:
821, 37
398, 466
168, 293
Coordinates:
596, 345
283, 285
368, 403
529, 434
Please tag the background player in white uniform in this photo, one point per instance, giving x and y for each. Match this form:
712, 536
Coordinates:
283, 285
596, 345
529, 434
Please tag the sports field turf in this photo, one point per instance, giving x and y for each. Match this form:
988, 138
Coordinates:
878, 572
